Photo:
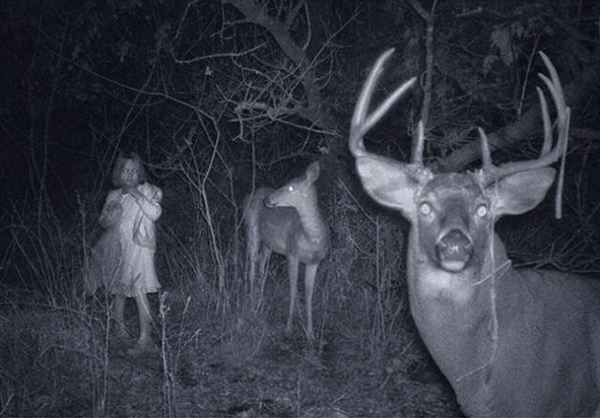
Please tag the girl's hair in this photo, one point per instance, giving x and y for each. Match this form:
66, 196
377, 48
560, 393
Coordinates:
120, 163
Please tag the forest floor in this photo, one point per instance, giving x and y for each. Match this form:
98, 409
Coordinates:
60, 363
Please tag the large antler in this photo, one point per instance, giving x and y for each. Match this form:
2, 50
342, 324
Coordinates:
549, 154
362, 123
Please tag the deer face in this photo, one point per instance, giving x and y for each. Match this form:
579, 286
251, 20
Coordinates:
453, 213
296, 192
453, 221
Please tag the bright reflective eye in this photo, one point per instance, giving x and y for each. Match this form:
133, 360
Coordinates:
482, 210
291, 188
425, 208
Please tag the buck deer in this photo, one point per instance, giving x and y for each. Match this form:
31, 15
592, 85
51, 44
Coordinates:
510, 342
288, 222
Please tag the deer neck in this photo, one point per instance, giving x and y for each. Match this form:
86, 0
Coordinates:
456, 315
312, 223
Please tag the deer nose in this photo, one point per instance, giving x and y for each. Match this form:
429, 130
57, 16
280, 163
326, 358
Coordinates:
270, 201
454, 250
455, 241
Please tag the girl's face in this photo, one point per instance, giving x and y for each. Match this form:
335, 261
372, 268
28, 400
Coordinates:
130, 175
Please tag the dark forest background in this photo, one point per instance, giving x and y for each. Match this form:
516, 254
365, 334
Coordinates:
218, 98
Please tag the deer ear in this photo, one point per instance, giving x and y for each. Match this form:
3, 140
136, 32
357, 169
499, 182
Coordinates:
521, 192
312, 172
388, 182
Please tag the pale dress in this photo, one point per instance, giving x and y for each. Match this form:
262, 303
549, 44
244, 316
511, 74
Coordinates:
138, 273
119, 263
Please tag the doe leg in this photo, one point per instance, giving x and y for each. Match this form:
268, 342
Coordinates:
251, 257
309, 285
293, 264
263, 260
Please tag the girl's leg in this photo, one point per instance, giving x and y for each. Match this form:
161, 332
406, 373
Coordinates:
119, 314
145, 317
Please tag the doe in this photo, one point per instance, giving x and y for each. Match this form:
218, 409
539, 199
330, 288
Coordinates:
288, 221
511, 342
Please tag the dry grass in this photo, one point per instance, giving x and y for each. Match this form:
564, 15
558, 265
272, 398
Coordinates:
218, 354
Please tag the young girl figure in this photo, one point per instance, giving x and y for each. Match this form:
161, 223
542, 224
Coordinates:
124, 256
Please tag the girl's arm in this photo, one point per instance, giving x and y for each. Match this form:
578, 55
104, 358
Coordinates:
150, 202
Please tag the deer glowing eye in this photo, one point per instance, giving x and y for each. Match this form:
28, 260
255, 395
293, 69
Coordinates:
290, 188
482, 210
425, 209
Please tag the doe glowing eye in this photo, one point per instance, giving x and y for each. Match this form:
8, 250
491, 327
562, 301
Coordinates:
291, 188
425, 208
482, 210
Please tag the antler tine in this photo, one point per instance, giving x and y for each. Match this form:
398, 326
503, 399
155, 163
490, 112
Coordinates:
555, 86
364, 99
389, 102
549, 153
417, 154
547, 125
361, 122
486, 156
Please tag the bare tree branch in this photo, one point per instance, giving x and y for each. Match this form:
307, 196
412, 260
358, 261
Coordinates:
215, 55
315, 109
529, 123
418, 7
429, 18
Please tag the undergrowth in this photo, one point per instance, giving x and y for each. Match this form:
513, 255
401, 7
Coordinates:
219, 352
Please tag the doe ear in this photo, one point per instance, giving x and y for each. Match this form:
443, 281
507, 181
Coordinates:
312, 171
388, 182
520, 192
